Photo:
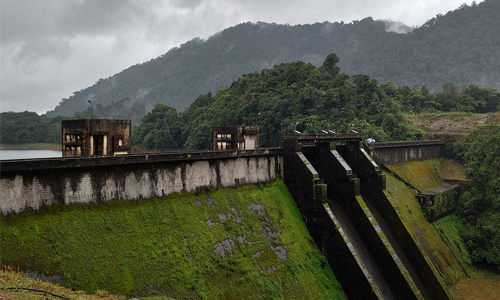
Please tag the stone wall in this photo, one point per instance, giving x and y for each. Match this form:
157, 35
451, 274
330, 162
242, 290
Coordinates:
32, 184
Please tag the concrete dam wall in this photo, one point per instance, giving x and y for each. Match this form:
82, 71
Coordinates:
33, 184
337, 186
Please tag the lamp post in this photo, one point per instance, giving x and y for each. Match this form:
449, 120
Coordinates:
92, 111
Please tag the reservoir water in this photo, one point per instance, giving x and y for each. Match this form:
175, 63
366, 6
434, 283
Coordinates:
27, 154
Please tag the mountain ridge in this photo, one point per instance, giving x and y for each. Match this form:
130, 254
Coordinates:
461, 47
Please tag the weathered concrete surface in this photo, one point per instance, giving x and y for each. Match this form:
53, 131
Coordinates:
392, 153
367, 273
147, 177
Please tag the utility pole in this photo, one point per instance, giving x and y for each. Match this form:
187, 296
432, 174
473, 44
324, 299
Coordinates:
92, 111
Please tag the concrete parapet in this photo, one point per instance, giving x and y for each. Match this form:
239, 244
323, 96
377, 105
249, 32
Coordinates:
32, 184
69, 162
396, 152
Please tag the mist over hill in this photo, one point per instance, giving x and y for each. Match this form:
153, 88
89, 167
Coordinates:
461, 47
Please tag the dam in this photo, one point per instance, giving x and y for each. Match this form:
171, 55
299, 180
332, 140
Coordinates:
336, 182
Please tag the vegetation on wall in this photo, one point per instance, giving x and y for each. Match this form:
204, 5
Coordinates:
244, 243
480, 206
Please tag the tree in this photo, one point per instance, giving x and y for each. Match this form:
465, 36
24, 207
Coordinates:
330, 65
479, 207
486, 99
161, 129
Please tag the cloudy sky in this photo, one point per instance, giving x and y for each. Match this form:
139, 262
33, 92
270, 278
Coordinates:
51, 48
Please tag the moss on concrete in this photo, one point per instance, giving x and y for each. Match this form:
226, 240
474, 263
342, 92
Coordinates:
423, 175
439, 240
444, 202
243, 243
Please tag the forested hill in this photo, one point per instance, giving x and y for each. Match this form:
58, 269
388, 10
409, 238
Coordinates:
461, 47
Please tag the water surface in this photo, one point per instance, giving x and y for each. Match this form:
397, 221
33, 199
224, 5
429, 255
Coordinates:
26, 154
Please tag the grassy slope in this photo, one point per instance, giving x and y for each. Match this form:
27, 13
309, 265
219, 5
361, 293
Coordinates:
440, 239
231, 244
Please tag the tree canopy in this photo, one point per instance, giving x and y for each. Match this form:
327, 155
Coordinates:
28, 127
295, 95
301, 96
480, 206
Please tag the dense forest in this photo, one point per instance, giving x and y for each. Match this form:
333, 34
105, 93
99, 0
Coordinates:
480, 206
288, 96
28, 127
306, 98
461, 47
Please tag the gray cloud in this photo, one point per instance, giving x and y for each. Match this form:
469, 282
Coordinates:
51, 48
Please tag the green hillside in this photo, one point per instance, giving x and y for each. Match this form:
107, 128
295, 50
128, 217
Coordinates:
304, 97
461, 47
243, 243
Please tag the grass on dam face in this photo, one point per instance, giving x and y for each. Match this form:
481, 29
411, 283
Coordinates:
243, 243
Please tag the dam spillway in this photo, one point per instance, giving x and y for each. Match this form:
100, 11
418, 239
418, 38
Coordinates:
355, 185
